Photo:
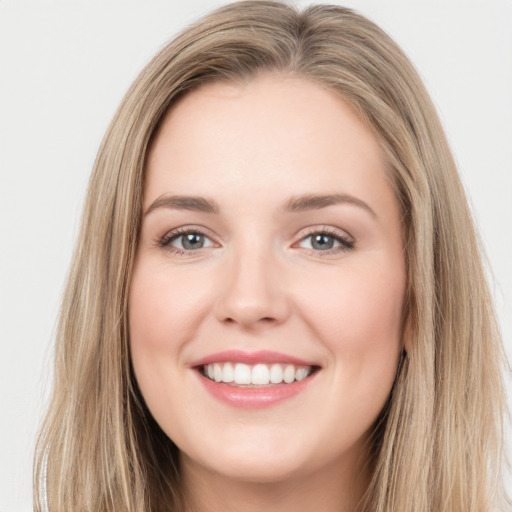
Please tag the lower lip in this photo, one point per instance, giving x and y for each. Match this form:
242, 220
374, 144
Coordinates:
254, 398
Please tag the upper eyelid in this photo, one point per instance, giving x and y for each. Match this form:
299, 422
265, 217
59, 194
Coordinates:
184, 230
329, 230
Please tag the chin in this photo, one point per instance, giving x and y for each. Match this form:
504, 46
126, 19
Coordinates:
261, 469
252, 458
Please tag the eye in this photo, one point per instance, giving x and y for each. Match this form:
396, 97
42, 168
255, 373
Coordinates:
186, 240
326, 241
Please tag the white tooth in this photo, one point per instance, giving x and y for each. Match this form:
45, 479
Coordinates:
227, 373
242, 374
301, 373
260, 374
210, 371
276, 374
217, 370
289, 374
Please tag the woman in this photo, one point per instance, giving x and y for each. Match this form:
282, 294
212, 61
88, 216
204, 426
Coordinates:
277, 299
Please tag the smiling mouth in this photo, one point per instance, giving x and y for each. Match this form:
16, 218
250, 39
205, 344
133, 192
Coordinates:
255, 375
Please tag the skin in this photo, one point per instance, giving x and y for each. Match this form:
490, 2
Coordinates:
259, 283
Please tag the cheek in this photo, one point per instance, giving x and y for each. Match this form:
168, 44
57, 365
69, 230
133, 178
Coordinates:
158, 320
357, 315
160, 305
361, 306
162, 320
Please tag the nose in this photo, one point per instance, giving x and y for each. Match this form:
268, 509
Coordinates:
252, 292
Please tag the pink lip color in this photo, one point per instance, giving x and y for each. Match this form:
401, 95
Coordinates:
238, 356
253, 398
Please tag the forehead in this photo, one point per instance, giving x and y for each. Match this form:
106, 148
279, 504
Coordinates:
271, 134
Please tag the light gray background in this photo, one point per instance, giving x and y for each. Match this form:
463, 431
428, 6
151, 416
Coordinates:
64, 67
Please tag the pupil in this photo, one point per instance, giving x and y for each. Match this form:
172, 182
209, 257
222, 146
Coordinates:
322, 242
192, 241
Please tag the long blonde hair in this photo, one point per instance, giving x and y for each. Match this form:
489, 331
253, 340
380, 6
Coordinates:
437, 446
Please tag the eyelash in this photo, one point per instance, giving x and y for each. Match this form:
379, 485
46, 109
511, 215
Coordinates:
346, 244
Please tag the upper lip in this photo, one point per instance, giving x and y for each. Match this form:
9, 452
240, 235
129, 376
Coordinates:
240, 356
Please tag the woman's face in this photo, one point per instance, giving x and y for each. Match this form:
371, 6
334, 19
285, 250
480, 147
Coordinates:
271, 254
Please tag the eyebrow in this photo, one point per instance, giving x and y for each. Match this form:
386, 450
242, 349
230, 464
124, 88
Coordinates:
317, 201
295, 204
193, 203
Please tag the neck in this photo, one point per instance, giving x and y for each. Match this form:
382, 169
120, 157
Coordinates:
332, 489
